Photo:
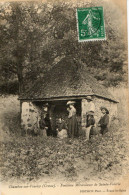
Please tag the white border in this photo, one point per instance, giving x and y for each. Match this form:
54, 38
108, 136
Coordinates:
128, 36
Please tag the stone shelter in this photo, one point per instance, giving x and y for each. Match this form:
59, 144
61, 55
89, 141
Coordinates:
63, 82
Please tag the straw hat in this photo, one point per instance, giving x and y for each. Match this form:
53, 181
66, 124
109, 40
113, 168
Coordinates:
104, 108
90, 113
70, 102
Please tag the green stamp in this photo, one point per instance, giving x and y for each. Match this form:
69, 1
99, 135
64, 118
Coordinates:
90, 24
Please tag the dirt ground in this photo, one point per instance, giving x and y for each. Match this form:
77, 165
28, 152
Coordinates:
35, 158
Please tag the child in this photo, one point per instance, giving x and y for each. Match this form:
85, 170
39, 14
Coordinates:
61, 129
104, 120
89, 124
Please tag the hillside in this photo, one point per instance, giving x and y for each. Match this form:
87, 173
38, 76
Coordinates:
28, 158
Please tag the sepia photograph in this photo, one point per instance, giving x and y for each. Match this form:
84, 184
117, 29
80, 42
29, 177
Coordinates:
64, 99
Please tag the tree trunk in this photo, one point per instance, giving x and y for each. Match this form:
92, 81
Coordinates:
19, 53
20, 78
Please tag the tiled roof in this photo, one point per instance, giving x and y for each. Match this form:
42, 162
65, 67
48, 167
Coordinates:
66, 79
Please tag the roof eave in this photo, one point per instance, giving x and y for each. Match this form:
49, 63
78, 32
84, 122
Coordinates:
66, 98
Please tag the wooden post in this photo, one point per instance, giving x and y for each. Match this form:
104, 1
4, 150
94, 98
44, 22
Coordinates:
83, 113
51, 114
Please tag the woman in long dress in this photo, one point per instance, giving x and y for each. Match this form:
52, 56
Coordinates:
72, 120
45, 122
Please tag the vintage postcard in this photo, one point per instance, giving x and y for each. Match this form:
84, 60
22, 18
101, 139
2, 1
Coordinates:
64, 99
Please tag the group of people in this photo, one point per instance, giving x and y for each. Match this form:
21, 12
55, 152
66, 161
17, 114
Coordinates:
71, 129
90, 120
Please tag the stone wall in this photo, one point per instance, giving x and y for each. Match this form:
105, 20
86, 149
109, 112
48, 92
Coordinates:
30, 116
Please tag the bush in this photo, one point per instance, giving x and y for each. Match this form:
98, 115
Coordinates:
9, 87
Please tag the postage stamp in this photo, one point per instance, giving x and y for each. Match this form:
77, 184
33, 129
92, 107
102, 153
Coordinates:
90, 24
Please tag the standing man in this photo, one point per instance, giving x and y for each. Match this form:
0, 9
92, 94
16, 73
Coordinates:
90, 121
104, 120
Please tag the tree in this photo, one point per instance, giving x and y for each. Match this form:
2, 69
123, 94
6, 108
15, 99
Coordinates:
36, 36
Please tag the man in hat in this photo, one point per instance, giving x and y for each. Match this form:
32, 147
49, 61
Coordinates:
104, 120
90, 121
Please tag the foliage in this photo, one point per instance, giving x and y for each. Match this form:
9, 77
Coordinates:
35, 36
9, 87
36, 158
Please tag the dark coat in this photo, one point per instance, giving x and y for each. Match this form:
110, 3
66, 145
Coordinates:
45, 122
103, 122
42, 123
48, 124
90, 121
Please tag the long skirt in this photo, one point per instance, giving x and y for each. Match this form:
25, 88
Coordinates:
72, 126
88, 132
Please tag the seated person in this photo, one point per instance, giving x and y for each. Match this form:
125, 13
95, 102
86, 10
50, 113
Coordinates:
61, 129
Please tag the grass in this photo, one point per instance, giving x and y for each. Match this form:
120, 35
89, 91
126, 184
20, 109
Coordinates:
35, 158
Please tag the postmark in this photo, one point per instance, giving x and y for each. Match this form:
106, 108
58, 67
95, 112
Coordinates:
90, 24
